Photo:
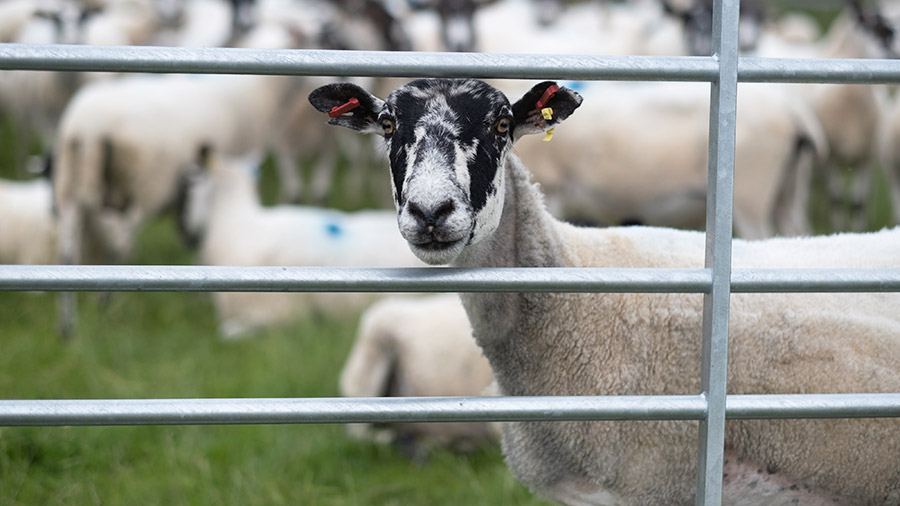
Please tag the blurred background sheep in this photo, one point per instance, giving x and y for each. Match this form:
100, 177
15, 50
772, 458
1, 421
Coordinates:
418, 347
122, 151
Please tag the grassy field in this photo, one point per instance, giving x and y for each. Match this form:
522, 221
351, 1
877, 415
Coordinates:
145, 345
142, 345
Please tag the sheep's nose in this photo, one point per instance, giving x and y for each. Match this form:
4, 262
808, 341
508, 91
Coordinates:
431, 216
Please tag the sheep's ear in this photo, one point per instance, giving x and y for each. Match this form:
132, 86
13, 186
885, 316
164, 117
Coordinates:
349, 105
543, 107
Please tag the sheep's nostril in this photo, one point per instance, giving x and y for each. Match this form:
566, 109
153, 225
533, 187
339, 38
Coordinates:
431, 217
416, 212
444, 211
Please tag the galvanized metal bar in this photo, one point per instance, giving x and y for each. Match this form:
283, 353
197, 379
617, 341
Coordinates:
814, 280
719, 207
363, 279
435, 409
346, 410
747, 407
347, 279
310, 62
818, 70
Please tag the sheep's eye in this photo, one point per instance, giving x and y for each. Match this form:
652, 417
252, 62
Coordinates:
502, 125
388, 126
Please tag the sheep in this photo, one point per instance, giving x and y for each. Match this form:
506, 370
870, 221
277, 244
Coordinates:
418, 346
222, 206
655, 173
199, 23
122, 143
637, 27
849, 114
697, 17
14, 14
34, 100
465, 200
652, 141
122, 23
27, 222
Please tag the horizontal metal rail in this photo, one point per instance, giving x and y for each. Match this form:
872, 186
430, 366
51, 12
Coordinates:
137, 278
312, 62
346, 410
435, 409
818, 70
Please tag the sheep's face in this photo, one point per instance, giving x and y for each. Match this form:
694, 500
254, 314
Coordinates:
447, 142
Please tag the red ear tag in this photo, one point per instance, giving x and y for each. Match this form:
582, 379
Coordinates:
341, 109
548, 94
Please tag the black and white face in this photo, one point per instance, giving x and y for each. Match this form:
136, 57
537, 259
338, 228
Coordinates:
447, 142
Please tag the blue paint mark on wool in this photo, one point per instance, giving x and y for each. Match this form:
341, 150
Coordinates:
333, 229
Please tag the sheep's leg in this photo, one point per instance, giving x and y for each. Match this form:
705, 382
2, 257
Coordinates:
790, 214
848, 205
746, 483
892, 179
360, 166
115, 232
323, 169
70, 232
290, 186
860, 189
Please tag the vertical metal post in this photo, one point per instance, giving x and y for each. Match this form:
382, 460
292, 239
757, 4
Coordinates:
719, 212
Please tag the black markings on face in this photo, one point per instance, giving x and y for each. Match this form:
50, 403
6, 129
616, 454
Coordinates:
449, 119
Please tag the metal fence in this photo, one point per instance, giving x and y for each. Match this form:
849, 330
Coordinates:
716, 281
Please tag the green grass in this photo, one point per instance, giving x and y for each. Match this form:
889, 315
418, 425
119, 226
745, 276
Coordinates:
145, 345
164, 345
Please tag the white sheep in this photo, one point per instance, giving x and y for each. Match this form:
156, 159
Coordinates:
464, 200
640, 156
849, 114
34, 100
199, 23
14, 14
223, 205
414, 347
122, 23
122, 142
635, 27
27, 223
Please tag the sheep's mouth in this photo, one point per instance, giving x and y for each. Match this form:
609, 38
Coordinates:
437, 252
437, 246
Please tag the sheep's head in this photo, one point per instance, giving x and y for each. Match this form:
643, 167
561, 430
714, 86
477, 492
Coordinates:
447, 141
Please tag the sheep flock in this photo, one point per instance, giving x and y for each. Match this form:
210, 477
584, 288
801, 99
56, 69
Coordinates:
617, 177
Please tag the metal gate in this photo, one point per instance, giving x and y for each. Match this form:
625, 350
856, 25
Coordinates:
716, 281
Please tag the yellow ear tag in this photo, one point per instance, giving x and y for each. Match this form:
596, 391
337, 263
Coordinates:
549, 135
547, 113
